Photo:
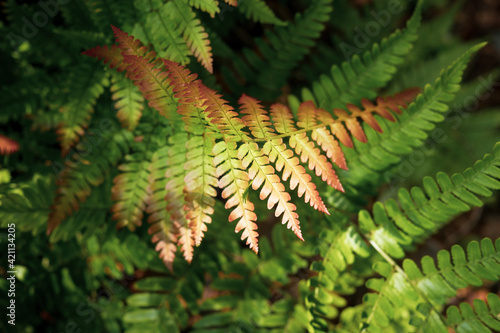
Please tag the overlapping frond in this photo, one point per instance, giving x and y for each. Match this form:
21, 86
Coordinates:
424, 292
131, 188
130, 192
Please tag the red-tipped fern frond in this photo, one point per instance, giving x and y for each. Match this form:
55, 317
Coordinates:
216, 145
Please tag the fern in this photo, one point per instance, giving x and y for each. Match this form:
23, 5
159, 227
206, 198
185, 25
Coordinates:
431, 288
129, 102
361, 76
481, 318
268, 69
209, 6
414, 125
255, 162
258, 10
422, 213
204, 135
80, 174
87, 84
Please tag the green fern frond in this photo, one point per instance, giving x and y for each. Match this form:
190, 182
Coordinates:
362, 76
130, 191
259, 11
175, 197
339, 249
129, 101
27, 206
480, 318
162, 229
368, 163
423, 293
209, 6
86, 84
193, 33
266, 72
117, 255
164, 34
423, 212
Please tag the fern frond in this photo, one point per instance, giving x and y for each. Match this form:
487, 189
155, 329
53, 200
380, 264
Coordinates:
232, 2
175, 197
262, 174
27, 206
193, 32
340, 247
209, 119
259, 11
154, 85
428, 290
164, 33
80, 174
108, 55
282, 116
209, 6
8, 146
411, 129
88, 83
362, 76
162, 230
200, 183
129, 210
130, 189
420, 213
129, 101
481, 317
234, 181
257, 120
